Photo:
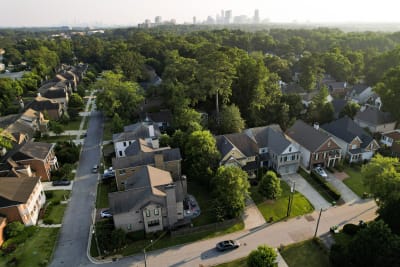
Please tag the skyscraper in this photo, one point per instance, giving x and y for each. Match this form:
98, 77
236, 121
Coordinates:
256, 18
228, 17
158, 20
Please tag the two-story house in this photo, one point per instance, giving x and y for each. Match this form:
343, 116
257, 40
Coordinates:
238, 149
375, 120
316, 147
392, 140
52, 108
168, 160
356, 144
275, 150
39, 156
21, 199
151, 201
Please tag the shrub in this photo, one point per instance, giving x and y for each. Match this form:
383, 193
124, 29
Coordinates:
14, 229
350, 229
49, 194
263, 256
48, 221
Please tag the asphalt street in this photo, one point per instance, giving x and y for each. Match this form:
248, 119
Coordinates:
71, 247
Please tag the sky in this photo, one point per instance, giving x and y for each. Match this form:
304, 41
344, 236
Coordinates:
33, 13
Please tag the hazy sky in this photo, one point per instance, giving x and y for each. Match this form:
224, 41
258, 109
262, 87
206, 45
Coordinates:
131, 12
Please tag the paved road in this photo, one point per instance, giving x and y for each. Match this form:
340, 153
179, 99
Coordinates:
73, 239
307, 190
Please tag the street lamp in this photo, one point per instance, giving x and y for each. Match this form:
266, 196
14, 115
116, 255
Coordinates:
144, 252
290, 203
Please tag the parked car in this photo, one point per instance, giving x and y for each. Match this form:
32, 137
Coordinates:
95, 168
321, 172
227, 245
105, 214
61, 182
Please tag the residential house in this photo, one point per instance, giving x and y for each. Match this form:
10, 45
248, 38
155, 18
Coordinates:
57, 91
52, 108
3, 224
151, 201
238, 149
162, 119
316, 147
21, 199
306, 97
168, 160
39, 156
35, 119
360, 93
337, 88
338, 106
375, 120
275, 150
391, 139
356, 144
132, 134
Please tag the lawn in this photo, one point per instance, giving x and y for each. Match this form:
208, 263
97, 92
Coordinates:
307, 254
55, 213
35, 252
277, 209
55, 139
322, 191
355, 181
57, 195
203, 197
73, 124
107, 134
102, 194
242, 262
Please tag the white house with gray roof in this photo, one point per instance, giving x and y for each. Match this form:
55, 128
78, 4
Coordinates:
375, 120
152, 201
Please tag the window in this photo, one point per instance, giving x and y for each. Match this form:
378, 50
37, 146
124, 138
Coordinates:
316, 156
290, 149
147, 213
120, 153
153, 223
129, 227
124, 144
156, 212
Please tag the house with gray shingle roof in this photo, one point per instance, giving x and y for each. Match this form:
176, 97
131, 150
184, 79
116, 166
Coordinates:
151, 201
375, 120
391, 140
357, 145
316, 147
360, 93
275, 150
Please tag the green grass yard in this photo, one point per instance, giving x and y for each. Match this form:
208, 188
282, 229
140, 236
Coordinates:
204, 200
35, 251
102, 194
355, 181
277, 209
305, 254
73, 124
236, 263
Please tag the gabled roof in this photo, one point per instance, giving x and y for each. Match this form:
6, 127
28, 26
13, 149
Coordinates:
55, 93
374, 116
306, 135
14, 191
338, 105
146, 182
346, 129
241, 141
135, 131
41, 103
269, 136
147, 158
160, 116
359, 88
33, 150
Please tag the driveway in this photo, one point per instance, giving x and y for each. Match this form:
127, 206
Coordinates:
345, 192
48, 186
252, 217
307, 190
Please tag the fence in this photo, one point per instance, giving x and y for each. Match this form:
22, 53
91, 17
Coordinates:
203, 228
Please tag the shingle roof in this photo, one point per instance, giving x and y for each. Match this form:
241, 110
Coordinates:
147, 158
374, 116
306, 135
359, 88
161, 116
15, 191
55, 93
241, 141
31, 150
338, 105
134, 131
346, 129
395, 135
41, 103
269, 136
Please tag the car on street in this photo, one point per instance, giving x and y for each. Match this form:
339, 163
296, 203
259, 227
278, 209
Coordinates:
105, 214
95, 168
321, 172
227, 245
62, 182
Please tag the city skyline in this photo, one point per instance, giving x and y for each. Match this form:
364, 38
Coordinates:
36, 13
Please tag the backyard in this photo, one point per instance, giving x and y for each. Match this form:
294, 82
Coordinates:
277, 209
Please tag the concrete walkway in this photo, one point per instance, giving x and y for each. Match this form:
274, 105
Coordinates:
346, 193
48, 186
307, 190
252, 217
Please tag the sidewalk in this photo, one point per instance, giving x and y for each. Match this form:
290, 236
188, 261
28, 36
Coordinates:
252, 217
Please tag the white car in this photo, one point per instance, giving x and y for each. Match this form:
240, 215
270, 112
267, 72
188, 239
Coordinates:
321, 172
105, 214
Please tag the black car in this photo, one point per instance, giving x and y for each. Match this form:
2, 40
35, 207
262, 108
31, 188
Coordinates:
62, 182
227, 245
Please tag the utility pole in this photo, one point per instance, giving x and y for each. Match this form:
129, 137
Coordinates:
145, 257
319, 218
290, 203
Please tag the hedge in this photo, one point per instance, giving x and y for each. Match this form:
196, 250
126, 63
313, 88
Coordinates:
332, 192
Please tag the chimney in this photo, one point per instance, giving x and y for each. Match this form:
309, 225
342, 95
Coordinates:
159, 160
38, 94
316, 125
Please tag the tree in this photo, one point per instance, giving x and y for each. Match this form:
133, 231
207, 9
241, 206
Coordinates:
42, 60
201, 155
13, 229
118, 96
263, 256
75, 101
374, 246
230, 188
5, 139
117, 124
270, 185
183, 116
230, 120
389, 91
56, 127
10, 90
350, 110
